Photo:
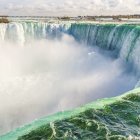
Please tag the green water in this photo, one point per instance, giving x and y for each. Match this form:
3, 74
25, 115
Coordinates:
113, 119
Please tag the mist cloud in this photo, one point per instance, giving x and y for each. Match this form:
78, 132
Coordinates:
45, 77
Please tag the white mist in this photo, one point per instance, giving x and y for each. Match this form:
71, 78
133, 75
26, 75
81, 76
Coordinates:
46, 76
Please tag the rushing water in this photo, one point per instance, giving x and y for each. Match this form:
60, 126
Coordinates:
124, 39
48, 68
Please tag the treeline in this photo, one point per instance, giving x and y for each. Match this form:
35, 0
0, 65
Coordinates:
64, 18
4, 20
112, 16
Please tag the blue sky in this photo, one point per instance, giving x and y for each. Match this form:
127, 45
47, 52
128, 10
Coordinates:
69, 7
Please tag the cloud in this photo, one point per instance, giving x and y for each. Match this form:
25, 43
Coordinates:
111, 3
69, 7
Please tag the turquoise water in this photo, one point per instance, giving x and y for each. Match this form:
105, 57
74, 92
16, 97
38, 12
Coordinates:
123, 39
114, 118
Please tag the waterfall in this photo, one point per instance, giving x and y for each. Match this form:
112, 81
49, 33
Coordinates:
21, 32
52, 75
107, 36
122, 39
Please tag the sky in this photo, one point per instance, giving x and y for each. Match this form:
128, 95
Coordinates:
69, 7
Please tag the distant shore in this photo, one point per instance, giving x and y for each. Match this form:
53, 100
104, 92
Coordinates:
120, 19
